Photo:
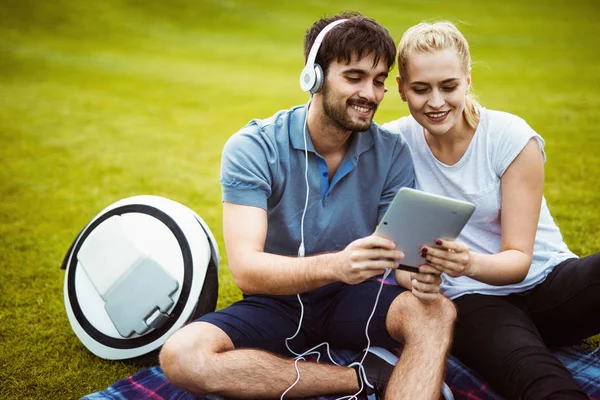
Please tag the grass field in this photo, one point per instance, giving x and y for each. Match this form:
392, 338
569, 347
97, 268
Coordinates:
105, 100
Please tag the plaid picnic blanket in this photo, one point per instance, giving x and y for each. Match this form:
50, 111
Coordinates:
151, 384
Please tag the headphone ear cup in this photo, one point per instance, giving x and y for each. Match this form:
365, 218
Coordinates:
319, 79
308, 78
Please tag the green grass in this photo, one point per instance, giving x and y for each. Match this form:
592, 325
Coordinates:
105, 100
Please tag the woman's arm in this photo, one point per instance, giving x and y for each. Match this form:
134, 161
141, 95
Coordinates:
522, 191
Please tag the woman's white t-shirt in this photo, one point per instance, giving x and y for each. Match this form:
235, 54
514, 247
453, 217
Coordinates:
497, 141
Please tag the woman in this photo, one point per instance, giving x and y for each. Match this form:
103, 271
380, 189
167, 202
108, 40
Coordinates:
517, 287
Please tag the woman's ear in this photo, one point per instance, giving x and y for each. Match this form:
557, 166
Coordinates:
400, 90
468, 80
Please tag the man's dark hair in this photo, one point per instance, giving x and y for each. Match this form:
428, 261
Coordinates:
358, 36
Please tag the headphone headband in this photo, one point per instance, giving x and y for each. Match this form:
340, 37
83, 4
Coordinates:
312, 55
311, 78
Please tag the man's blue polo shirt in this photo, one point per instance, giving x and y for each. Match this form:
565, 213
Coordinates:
263, 166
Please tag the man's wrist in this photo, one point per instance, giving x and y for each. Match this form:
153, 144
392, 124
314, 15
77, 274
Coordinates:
327, 267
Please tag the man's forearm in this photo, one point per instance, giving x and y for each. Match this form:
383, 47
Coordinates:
264, 273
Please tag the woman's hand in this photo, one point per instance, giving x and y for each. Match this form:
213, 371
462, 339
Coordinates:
425, 284
450, 257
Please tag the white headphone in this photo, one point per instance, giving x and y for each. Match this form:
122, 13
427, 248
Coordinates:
311, 77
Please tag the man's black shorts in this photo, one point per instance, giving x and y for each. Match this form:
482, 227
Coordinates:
336, 313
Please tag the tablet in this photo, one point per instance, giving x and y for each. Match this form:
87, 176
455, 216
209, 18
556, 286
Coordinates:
416, 218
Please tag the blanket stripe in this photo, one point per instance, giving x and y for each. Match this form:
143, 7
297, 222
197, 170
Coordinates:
151, 383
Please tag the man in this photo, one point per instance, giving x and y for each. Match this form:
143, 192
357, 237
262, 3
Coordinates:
354, 169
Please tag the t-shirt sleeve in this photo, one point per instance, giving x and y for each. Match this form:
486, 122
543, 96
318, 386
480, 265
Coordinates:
511, 141
401, 174
246, 168
399, 126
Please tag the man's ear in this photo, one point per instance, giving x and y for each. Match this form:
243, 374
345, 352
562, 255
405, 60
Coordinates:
400, 90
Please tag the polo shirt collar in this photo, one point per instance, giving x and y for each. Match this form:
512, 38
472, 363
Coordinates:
359, 142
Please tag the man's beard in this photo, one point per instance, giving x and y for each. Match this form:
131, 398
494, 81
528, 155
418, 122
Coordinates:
338, 113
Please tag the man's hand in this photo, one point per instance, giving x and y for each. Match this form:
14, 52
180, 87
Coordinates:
367, 257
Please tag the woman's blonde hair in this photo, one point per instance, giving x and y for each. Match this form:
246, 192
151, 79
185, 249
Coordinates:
428, 37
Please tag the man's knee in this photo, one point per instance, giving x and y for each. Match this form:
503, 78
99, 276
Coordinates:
409, 317
190, 349
441, 314
447, 310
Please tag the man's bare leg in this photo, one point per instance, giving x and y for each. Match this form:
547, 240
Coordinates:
426, 330
201, 358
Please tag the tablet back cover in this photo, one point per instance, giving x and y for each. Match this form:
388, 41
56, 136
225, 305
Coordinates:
417, 218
